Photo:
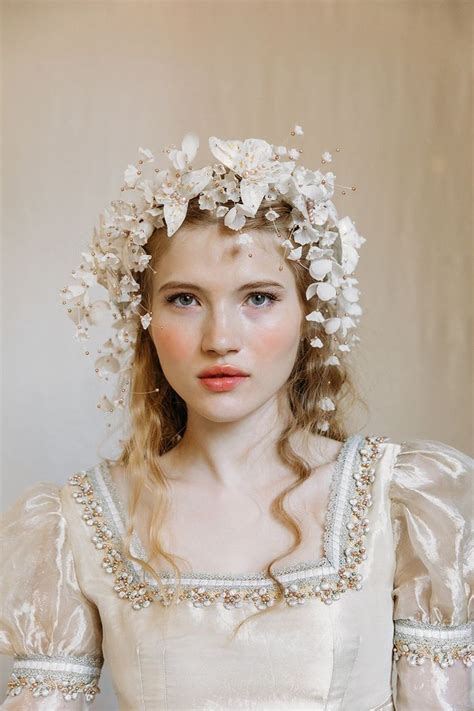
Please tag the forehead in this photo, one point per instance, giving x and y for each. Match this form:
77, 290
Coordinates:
213, 254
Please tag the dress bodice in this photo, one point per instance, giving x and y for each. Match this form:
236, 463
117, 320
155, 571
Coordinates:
347, 631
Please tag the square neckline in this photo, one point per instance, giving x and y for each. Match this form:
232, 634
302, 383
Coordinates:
335, 514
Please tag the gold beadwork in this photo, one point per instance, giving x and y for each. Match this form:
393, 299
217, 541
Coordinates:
263, 594
443, 654
43, 685
443, 644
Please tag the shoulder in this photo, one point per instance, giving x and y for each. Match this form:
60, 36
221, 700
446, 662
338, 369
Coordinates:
41, 503
35, 503
433, 460
431, 483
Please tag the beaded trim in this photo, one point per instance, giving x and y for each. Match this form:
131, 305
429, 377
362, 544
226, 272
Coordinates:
326, 579
443, 644
42, 674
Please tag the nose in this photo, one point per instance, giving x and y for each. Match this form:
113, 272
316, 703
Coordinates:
220, 333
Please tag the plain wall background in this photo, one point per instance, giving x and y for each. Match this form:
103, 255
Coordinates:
86, 83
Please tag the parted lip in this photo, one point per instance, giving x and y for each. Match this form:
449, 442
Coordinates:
227, 370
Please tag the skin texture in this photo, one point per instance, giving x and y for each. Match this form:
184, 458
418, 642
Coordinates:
230, 436
225, 471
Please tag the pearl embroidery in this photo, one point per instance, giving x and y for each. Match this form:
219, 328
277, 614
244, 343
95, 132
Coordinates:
331, 577
42, 674
443, 644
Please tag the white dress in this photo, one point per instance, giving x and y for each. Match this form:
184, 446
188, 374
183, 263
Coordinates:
382, 621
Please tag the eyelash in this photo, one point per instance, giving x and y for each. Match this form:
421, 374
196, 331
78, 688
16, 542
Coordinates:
272, 297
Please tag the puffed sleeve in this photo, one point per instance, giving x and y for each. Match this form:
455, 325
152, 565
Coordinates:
52, 631
431, 500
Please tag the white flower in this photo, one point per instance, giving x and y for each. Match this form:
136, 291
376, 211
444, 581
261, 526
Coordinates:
131, 176
332, 325
98, 311
346, 323
271, 215
315, 316
146, 319
175, 193
245, 174
189, 146
350, 293
251, 159
81, 333
295, 253
320, 267
323, 425
106, 365
326, 404
350, 242
244, 238
147, 154
235, 217
325, 291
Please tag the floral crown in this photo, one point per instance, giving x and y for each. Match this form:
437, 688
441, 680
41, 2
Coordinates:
247, 173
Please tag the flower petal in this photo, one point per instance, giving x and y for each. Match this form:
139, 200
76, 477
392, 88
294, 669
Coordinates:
326, 291
174, 216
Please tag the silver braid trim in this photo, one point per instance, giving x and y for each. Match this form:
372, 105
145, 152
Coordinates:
43, 674
442, 644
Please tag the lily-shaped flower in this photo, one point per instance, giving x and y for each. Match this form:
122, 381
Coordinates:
182, 158
253, 161
175, 192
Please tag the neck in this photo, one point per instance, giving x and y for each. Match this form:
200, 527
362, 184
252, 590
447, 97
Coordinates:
233, 454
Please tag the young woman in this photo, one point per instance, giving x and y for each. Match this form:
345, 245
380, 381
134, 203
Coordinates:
244, 550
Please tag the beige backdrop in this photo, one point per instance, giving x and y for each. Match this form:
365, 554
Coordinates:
86, 83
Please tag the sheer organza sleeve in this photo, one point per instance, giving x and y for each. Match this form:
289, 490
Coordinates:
431, 507
52, 631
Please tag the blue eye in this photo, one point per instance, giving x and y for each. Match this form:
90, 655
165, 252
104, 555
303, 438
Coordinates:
271, 297
173, 299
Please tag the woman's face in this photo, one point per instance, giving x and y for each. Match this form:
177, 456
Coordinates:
215, 319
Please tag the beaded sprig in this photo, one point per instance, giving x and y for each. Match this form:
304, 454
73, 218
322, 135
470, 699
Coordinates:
442, 644
264, 593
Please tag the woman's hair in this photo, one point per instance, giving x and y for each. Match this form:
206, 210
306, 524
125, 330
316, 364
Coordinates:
158, 418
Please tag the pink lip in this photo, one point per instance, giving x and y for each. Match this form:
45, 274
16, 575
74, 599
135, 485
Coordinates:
222, 371
219, 385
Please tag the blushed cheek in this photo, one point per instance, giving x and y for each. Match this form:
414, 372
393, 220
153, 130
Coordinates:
276, 341
171, 343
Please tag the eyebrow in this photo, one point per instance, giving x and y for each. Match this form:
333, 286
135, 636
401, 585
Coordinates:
244, 287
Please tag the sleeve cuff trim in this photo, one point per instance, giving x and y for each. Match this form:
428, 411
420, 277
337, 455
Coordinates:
460, 633
43, 674
58, 663
443, 645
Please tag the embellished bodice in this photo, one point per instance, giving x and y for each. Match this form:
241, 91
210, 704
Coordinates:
327, 579
344, 632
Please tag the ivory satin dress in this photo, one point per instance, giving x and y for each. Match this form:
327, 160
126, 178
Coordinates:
381, 622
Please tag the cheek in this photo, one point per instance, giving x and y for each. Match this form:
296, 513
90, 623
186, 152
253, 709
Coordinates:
276, 341
171, 343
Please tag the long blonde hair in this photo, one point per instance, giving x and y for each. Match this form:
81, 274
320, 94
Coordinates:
158, 418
